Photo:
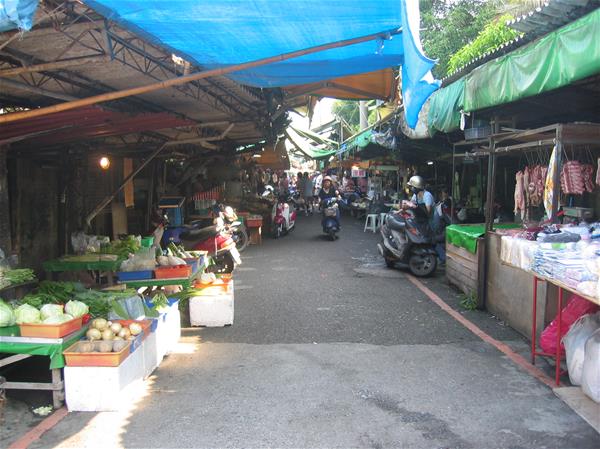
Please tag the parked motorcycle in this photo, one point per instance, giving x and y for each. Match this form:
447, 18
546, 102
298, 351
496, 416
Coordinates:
217, 241
409, 242
283, 217
331, 218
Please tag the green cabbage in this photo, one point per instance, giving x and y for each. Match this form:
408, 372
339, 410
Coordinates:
76, 308
49, 310
27, 314
7, 316
58, 319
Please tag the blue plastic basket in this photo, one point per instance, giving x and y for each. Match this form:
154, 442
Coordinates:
135, 275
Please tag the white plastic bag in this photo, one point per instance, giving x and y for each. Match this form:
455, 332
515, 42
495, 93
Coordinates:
590, 377
574, 342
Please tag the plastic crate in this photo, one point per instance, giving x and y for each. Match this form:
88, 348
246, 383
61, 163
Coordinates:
75, 358
147, 242
146, 325
51, 330
254, 222
178, 271
135, 275
477, 133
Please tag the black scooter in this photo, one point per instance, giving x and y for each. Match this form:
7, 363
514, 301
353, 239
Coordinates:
409, 242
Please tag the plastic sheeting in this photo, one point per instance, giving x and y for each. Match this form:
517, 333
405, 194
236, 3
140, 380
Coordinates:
558, 59
221, 33
569, 54
17, 14
445, 106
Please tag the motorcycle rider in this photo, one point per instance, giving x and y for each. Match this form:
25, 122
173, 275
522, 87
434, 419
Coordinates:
329, 191
420, 197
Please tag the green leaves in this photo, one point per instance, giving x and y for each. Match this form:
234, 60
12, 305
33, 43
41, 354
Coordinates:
490, 38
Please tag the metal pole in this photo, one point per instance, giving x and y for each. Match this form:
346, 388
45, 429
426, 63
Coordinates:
6, 118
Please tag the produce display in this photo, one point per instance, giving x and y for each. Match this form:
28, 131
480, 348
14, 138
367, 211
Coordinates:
109, 331
122, 248
7, 315
15, 277
48, 314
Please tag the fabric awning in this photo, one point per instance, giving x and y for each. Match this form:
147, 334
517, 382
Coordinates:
310, 151
220, 33
380, 85
17, 14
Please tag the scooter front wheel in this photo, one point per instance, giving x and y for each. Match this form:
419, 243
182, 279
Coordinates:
243, 239
422, 266
278, 230
331, 233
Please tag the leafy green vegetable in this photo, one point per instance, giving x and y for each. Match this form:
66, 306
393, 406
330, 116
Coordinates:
49, 310
62, 291
99, 302
37, 300
124, 247
7, 315
76, 308
17, 276
159, 300
58, 319
27, 314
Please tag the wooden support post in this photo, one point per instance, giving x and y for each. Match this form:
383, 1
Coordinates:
5, 234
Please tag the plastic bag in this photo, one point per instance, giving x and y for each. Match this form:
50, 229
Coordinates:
576, 308
590, 376
127, 309
574, 343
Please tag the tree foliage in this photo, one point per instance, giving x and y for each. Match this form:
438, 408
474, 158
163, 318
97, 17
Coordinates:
348, 110
490, 38
449, 26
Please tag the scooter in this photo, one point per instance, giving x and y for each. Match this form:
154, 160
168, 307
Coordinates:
331, 218
217, 241
283, 217
408, 241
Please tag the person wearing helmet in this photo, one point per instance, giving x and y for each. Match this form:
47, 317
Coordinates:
421, 196
328, 190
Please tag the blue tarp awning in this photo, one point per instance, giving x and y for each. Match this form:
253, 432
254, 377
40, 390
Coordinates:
17, 14
220, 33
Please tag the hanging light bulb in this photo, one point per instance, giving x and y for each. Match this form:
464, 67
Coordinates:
104, 163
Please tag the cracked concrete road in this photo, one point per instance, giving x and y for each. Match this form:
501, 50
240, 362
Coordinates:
330, 349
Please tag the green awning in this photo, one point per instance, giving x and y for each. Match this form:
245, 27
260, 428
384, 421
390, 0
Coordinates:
560, 58
445, 106
310, 151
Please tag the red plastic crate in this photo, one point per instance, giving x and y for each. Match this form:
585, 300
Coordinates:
178, 271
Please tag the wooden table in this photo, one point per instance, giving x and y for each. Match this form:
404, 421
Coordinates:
25, 347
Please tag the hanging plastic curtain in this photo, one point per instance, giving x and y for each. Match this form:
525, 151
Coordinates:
549, 185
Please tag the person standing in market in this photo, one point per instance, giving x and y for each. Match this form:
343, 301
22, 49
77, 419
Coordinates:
318, 182
307, 193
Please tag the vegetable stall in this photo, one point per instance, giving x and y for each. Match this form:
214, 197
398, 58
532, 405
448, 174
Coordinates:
115, 335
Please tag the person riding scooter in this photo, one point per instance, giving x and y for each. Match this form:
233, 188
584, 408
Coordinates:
329, 197
421, 196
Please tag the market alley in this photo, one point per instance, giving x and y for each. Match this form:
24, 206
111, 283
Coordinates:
331, 349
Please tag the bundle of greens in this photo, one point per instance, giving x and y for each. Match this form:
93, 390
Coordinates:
124, 247
16, 276
61, 291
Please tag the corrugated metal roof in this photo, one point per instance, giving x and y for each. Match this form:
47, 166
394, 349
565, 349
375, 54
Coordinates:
85, 123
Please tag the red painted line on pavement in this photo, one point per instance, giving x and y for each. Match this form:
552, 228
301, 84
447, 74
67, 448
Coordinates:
35, 433
505, 349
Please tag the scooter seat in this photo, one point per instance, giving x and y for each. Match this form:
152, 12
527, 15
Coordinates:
395, 223
198, 235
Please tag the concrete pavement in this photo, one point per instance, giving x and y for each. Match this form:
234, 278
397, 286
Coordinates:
331, 349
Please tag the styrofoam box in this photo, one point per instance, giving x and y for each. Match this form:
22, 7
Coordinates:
149, 350
212, 311
104, 389
168, 331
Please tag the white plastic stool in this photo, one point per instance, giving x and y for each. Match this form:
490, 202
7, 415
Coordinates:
382, 218
371, 223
